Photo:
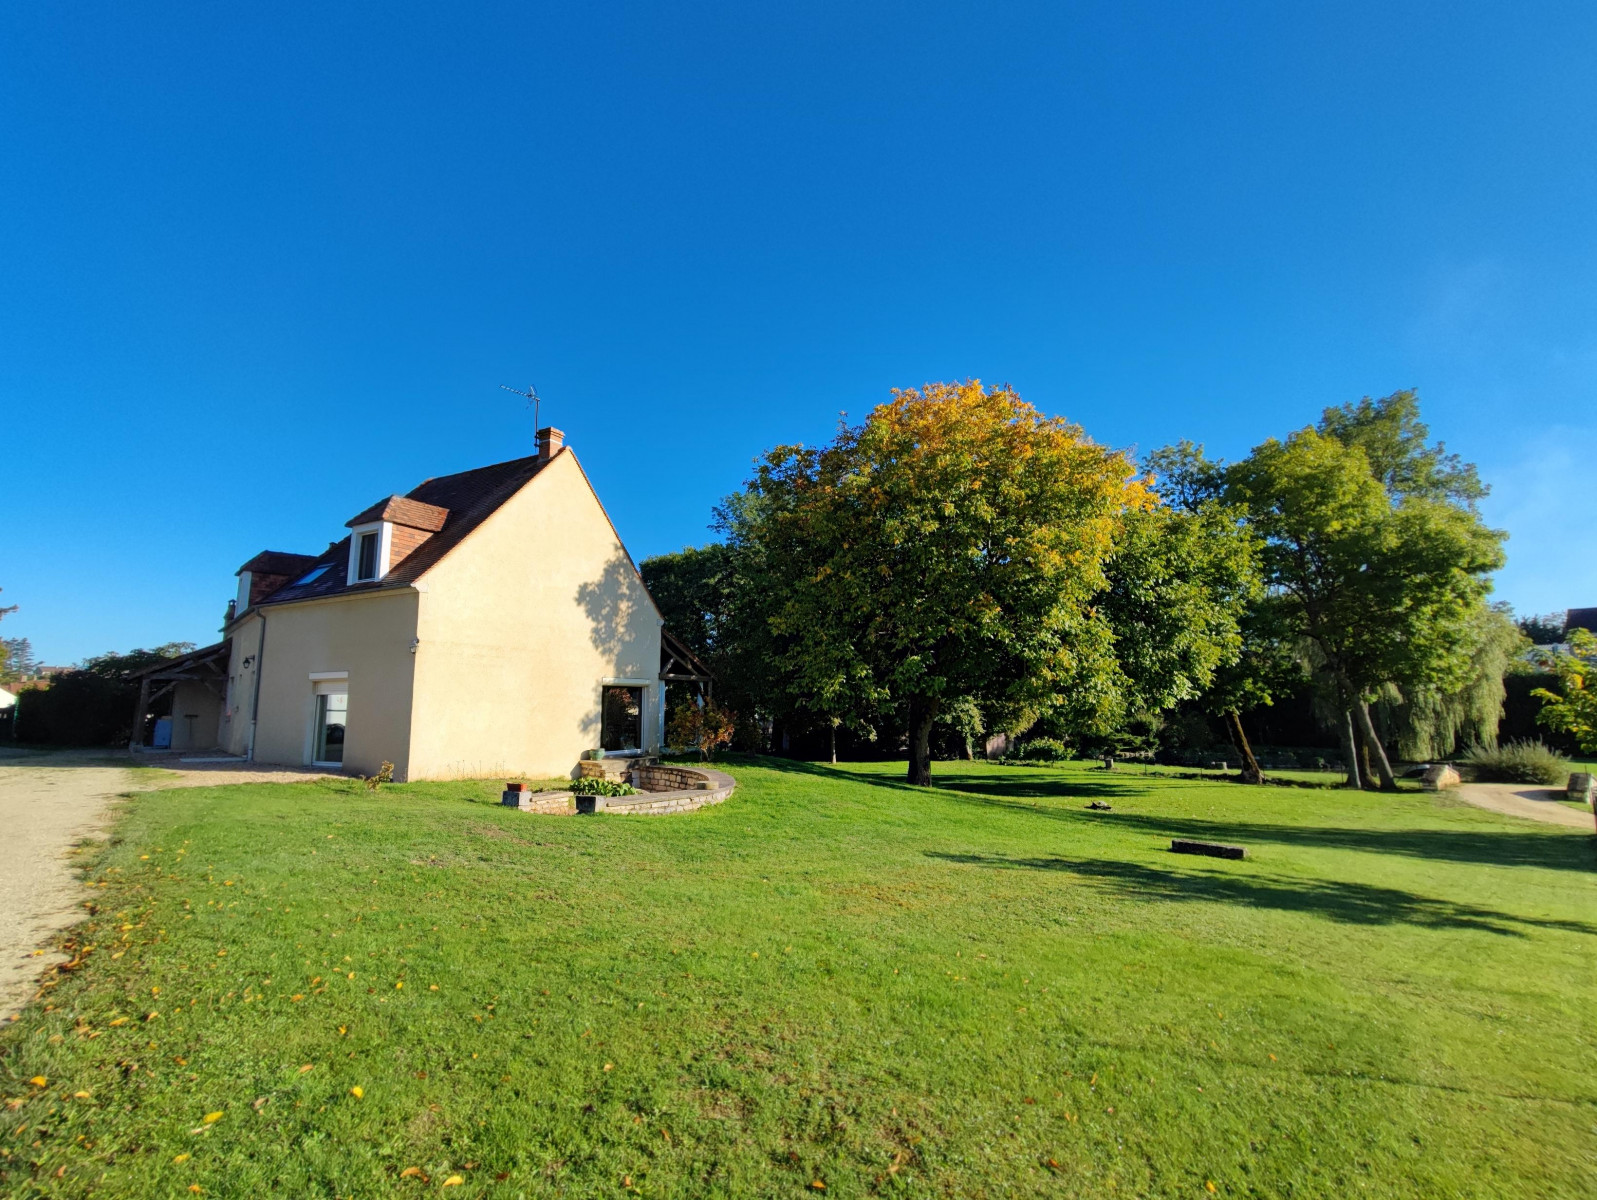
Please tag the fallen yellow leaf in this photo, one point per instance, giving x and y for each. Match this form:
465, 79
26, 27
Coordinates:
307, 1067
432, 987
80, 1095
212, 1117
609, 1066
357, 1091
1209, 1185
399, 983
39, 1081
408, 1172
181, 1158
195, 1188
454, 1181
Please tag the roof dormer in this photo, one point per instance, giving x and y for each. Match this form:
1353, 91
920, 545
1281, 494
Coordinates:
265, 573
387, 533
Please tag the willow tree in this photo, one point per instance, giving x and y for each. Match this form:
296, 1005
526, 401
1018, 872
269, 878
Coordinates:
1434, 722
945, 549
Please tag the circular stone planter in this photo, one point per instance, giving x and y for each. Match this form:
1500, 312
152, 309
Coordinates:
663, 788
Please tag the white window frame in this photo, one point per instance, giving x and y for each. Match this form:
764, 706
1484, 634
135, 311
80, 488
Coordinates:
326, 683
245, 582
385, 541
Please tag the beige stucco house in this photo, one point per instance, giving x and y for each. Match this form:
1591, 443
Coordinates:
485, 623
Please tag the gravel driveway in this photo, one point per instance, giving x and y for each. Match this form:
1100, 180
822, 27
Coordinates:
1520, 800
49, 802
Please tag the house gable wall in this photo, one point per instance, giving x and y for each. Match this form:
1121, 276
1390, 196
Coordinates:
520, 626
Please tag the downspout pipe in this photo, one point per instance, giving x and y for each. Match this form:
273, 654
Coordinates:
255, 701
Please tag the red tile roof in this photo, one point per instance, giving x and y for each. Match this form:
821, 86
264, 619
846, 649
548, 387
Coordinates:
278, 562
466, 500
403, 510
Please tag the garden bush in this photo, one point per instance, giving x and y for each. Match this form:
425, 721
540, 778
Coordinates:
1517, 762
590, 786
1044, 750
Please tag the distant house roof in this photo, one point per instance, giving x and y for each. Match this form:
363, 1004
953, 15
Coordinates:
1581, 618
457, 503
277, 562
403, 510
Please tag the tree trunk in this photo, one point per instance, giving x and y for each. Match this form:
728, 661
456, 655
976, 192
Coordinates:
834, 743
1364, 755
1382, 764
921, 716
1350, 751
1250, 765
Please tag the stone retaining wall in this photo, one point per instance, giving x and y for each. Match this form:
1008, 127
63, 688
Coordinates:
661, 777
702, 786
549, 804
616, 769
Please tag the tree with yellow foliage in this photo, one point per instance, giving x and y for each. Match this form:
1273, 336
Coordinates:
947, 547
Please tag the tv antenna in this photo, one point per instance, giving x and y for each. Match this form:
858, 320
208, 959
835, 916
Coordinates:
532, 398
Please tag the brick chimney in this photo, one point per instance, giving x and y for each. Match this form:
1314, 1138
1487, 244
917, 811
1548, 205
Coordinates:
550, 440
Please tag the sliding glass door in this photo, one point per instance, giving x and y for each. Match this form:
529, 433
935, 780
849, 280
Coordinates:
332, 707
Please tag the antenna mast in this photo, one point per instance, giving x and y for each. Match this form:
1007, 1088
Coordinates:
532, 398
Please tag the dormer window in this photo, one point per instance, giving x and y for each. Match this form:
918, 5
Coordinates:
368, 552
388, 533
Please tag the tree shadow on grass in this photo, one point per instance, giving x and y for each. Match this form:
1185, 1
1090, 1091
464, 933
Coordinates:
996, 784
1336, 900
1552, 847
1004, 785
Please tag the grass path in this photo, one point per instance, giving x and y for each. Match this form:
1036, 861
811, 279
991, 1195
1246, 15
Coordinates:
981, 989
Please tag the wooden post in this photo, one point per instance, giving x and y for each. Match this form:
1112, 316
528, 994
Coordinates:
139, 713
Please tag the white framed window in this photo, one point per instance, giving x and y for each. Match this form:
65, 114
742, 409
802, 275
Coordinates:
369, 547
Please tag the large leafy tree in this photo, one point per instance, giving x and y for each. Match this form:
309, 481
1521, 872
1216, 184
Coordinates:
1375, 558
1208, 570
1180, 584
947, 548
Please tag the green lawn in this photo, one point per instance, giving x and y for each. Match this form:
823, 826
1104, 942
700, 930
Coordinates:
831, 979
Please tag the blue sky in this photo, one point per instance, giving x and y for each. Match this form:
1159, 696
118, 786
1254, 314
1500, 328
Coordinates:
259, 268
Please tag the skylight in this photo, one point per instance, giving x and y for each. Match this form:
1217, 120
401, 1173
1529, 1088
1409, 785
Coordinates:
312, 577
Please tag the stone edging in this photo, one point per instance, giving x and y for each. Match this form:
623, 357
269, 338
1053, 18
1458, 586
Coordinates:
712, 788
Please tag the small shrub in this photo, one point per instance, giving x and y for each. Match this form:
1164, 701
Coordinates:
705, 728
591, 786
1045, 750
1517, 762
